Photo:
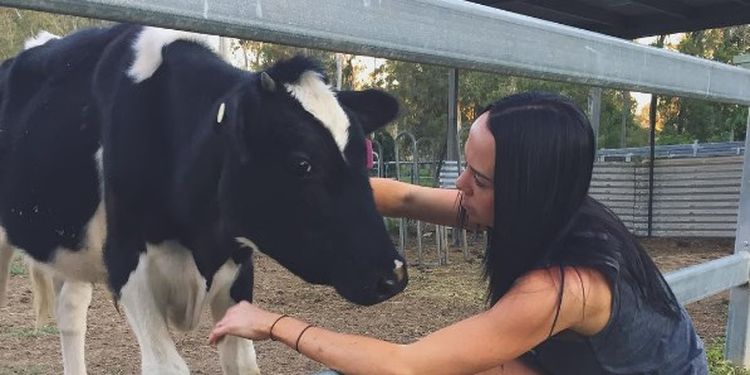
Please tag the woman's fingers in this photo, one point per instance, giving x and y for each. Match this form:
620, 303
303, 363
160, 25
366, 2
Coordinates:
220, 330
244, 320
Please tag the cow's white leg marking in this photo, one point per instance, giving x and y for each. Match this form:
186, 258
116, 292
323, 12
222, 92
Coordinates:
6, 255
165, 287
73, 299
237, 355
43, 293
147, 318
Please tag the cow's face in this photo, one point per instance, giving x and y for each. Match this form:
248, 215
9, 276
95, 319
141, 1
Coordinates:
296, 186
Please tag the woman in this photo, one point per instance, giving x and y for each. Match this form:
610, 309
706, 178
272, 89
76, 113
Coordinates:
570, 290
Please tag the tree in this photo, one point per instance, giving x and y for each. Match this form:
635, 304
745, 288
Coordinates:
684, 119
261, 55
423, 92
19, 25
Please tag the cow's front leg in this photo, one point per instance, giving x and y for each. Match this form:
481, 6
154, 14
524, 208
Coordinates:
237, 355
147, 318
43, 293
6, 255
73, 299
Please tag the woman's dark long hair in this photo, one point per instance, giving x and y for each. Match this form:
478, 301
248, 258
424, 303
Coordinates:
544, 156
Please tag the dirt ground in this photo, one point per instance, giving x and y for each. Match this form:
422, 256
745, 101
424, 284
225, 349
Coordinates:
435, 297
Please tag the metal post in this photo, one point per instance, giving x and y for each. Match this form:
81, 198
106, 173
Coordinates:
339, 70
420, 257
652, 147
595, 110
452, 130
225, 49
738, 322
625, 112
652, 152
453, 149
379, 147
402, 221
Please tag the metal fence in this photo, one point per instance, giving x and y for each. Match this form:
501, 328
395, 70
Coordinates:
695, 197
692, 197
673, 151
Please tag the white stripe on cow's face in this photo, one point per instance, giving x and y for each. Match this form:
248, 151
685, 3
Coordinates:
149, 43
40, 39
317, 98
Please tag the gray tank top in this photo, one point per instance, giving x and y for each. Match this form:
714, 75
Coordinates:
636, 340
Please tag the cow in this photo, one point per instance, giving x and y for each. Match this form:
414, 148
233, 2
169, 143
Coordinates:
6, 255
136, 156
41, 281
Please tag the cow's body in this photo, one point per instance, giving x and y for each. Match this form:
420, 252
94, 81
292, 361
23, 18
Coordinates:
136, 156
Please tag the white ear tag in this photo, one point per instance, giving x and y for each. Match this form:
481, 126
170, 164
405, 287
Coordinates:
220, 115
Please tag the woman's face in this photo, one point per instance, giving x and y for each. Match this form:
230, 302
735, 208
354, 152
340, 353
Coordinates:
477, 180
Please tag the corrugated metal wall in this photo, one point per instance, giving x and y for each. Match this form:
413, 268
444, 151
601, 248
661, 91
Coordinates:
693, 197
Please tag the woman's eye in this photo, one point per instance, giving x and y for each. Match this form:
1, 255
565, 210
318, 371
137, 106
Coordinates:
480, 182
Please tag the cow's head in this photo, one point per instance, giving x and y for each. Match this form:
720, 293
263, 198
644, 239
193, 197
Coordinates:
295, 183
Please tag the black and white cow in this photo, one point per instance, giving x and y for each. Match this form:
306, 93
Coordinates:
135, 155
41, 281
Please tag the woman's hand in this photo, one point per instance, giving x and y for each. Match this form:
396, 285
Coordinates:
245, 320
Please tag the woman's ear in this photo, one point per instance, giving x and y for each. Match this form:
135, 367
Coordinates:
373, 108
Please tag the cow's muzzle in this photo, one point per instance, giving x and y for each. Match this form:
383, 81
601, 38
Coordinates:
392, 284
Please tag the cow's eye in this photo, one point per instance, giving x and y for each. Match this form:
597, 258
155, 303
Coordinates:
301, 167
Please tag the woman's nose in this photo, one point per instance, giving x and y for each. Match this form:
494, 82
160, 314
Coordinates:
461, 182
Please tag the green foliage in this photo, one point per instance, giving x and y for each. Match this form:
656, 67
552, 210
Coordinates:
21, 370
717, 365
31, 332
262, 55
19, 25
685, 120
17, 268
423, 92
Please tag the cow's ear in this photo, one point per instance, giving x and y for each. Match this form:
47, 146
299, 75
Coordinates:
373, 108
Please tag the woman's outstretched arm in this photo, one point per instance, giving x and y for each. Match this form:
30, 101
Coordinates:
522, 319
434, 205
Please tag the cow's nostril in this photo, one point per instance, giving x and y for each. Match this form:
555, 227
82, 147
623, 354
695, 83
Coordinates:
387, 286
393, 284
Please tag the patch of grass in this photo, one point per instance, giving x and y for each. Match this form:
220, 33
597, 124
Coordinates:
17, 267
717, 365
31, 332
27, 370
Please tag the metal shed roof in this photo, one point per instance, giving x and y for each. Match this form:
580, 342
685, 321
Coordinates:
632, 19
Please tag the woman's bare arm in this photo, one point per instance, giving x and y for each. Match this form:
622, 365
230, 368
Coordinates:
433, 205
518, 322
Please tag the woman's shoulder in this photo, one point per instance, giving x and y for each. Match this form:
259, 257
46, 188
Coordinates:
583, 292
575, 279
